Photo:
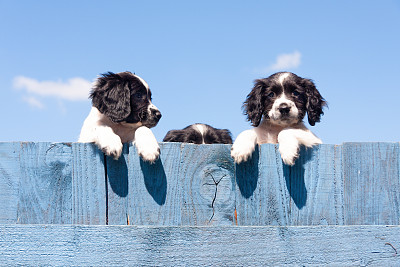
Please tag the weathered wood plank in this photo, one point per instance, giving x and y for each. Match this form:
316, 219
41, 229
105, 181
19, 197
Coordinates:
207, 179
117, 188
141, 193
315, 185
67, 245
10, 174
45, 187
88, 185
309, 193
371, 183
262, 196
188, 185
350, 184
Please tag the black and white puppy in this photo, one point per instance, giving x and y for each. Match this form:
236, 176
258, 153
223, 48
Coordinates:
276, 107
199, 134
122, 112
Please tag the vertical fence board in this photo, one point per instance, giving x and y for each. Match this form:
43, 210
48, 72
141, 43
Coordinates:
315, 186
371, 183
88, 185
117, 183
45, 187
141, 193
9, 181
207, 179
262, 194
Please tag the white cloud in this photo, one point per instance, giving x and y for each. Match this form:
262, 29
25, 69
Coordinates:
33, 102
286, 61
74, 89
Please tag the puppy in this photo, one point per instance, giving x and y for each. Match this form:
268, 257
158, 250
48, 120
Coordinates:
276, 107
121, 112
199, 134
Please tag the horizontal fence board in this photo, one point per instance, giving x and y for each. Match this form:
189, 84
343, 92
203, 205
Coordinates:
73, 245
62, 183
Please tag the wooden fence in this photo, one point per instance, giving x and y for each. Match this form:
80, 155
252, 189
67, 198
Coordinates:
67, 204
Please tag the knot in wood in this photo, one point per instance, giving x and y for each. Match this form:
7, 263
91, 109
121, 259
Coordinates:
216, 183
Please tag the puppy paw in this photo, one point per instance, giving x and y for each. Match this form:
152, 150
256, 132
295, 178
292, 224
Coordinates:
146, 144
112, 147
244, 146
241, 154
242, 151
289, 153
149, 152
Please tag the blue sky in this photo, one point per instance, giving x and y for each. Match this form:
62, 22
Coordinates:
200, 59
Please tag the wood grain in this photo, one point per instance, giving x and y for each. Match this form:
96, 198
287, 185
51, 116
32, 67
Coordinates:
196, 185
72, 245
371, 183
194, 206
261, 196
207, 179
316, 187
141, 193
45, 187
10, 176
188, 185
88, 185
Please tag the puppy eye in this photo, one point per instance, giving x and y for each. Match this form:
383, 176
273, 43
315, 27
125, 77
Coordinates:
138, 95
272, 94
296, 93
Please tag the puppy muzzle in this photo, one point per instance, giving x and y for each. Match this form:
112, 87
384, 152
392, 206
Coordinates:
154, 116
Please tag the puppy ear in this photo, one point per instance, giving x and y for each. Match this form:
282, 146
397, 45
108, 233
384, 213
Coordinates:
225, 136
254, 105
174, 136
111, 96
315, 102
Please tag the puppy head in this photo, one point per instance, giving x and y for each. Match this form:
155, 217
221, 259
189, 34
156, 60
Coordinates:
125, 97
199, 134
284, 99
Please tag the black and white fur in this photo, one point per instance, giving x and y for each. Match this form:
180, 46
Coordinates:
276, 107
122, 112
199, 134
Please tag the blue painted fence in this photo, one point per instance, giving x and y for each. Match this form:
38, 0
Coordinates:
68, 204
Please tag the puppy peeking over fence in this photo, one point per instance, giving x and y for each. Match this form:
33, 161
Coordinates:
122, 112
276, 107
199, 134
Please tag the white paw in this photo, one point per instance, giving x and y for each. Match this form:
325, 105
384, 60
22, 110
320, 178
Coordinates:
111, 146
149, 151
244, 146
146, 144
289, 153
241, 153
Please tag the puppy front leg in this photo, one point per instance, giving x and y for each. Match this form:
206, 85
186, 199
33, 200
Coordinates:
244, 146
288, 146
290, 140
108, 141
146, 144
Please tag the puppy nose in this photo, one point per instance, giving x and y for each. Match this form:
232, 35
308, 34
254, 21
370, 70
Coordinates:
156, 113
284, 109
